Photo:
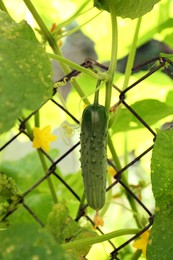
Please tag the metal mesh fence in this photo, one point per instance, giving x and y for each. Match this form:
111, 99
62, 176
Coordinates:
53, 163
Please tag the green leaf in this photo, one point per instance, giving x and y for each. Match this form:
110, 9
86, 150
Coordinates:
151, 110
169, 98
161, 168
63, 228
167, 24
8, 187
25, 71
27, 170
9, 194
127, 9
29, 241
24, 171
160, 241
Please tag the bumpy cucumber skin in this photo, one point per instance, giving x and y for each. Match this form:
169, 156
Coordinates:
94, 154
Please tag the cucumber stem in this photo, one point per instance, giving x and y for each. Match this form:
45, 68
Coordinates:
114, 51
96, 97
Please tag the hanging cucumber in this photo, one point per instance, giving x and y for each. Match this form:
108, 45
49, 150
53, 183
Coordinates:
94, 128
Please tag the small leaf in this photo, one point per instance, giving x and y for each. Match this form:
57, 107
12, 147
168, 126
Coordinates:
9, 194
127, 9
160, 241
25, 71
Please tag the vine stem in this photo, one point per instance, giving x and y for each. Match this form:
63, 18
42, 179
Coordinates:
129, 67
113, 152
43, 162
114, 51
115, 118
72, 18
43, 27
98, 239
128, 70
74, 65
54, 47
132, 53
49, 180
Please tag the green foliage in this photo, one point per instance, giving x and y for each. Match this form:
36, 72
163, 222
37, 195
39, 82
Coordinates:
160, 241
127, 9
25, 71
64, 229
29, 241
25, 84
9, 194
151, 110
25, 171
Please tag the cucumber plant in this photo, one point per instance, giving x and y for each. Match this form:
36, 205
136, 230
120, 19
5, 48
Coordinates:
94, 136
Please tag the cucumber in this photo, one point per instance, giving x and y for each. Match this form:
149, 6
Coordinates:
93, 140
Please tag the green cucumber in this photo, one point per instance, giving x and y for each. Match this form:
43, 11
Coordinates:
94, 128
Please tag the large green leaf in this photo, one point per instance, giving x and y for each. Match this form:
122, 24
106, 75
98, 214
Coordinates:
25, 71
127, 9
29, 241
151, 111
160, 244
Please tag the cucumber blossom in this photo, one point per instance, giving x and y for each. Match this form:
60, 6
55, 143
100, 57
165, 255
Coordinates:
93, 154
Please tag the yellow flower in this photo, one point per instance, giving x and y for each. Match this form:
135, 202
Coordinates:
141, 243
43, 138
111, 171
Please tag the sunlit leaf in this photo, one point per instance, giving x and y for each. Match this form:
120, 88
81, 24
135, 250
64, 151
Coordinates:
25, 71
169, 98
160, 241
151, 111
127, 9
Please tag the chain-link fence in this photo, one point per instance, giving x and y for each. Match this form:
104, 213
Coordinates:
119, 179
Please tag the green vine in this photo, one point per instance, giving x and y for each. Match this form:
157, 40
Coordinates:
98, 239
113, 60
